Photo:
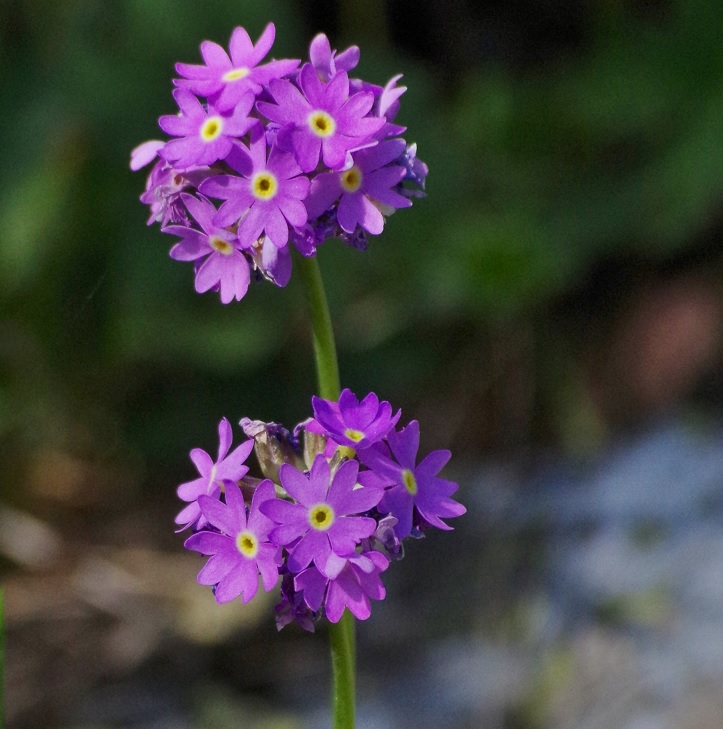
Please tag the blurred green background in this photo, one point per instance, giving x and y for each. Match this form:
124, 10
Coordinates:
562, 279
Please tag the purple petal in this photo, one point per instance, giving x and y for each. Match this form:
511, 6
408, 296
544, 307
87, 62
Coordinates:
276, 226
240, 47
202, 461
233, 466
342, 485
214, 55
207, 543
218, 514
357, 209
405, 445
313, 546
313, 585
217, 568
243, 579
293, 210
192, 247
144, 154
225, 437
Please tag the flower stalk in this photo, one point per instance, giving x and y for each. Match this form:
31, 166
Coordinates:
342, 637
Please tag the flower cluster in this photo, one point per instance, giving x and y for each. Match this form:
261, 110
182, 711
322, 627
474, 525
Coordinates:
269, 155
339, 495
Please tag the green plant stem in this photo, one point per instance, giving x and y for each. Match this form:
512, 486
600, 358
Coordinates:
341, 634
327, 366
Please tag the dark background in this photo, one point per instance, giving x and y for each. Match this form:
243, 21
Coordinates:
558, 289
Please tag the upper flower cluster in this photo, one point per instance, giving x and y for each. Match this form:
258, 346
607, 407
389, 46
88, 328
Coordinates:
296, 153
339, 495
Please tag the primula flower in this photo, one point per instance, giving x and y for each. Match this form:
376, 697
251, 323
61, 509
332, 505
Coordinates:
164, 184
323, 120
225, 81
326, 62
240, 550
207, 134
266, 197
225, 266
273, 262
356, 584
413, 488
364, 191
322, 525
228, 466
352, 423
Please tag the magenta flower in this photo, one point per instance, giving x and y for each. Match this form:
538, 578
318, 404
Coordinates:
225, 81
228, 466
265, 197
225, 267
207, 135
364, 191
273, 262
322, 526
240, 550
352, 423
323, 120
357, 583
326, 62
415, 490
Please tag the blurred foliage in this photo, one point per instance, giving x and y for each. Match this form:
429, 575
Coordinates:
537, 173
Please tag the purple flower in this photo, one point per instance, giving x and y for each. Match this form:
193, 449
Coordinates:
364, 191
292, 607
326, 62
323, 121
225, 81
225, 265
416, 172
273, 262
352, 423
320, 526
206, 135
240, 550
388, 101
357, 583
414, 488
228, 466
266, 197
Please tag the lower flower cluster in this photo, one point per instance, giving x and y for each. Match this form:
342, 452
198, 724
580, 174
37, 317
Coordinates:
339, 495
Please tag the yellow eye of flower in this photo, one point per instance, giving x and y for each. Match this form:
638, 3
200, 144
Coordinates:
321, 123
235, 74
410, 483
351, 180
264, 185
355, 435
321, 517
220, 245
247, 544
211, 129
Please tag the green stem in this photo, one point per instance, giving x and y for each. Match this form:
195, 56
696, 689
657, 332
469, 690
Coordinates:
327, 367
342, 634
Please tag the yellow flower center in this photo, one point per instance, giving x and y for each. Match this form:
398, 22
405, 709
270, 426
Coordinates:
355, 435
264, 185
321, 123
247, 544
235, 74
321, 517
351, 180
211, 129
220, 245
410, 483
